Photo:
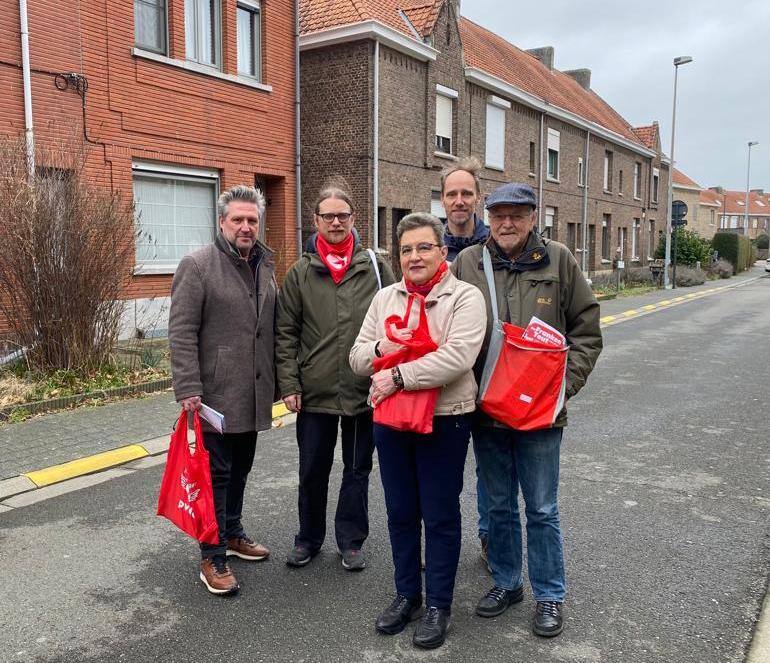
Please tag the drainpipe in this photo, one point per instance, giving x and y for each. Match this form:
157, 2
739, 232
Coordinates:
298, 150
540, 178
28, 128
584, 258
376, 151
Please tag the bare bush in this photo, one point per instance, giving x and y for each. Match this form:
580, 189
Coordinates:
66, 247
721, 268
689, 276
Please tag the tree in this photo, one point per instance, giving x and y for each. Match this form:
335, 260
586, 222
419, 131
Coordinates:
690, 247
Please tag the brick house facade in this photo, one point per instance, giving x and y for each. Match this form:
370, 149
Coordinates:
429, 60
177, 109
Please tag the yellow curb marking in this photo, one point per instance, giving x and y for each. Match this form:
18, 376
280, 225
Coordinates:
649, 307
629, 313
607, 318
76, 468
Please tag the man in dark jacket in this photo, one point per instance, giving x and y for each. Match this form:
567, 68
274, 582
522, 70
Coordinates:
460, 194
221, 333
321, 307
538, 278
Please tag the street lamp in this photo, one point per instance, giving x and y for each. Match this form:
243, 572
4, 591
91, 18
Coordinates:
682, 59
752, 143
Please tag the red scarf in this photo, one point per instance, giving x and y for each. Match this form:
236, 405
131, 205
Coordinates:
424, 288
337, 257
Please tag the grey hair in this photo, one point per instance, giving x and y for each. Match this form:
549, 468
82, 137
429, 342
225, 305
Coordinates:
421, 220
471, 165
244, 193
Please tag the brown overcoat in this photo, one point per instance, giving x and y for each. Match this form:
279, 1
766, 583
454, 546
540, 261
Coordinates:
221, 333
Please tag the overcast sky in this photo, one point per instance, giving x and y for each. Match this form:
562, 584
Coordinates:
723, 96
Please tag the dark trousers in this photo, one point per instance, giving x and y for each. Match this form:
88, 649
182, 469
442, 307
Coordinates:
230, 456
317, 438
422, 476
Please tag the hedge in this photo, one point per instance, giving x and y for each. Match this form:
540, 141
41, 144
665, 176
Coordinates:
736, 249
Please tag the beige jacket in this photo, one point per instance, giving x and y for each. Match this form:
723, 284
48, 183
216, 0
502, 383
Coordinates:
457, 320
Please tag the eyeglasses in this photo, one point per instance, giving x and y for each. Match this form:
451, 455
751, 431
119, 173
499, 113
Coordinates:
423, 249
329, 217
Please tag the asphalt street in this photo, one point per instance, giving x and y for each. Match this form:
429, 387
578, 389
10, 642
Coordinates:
665, 502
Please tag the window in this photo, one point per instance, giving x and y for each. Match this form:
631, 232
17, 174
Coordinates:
635, 239
444, 123
249, 39
150, 30
202, 21
607, 170
550, 223
651, 239
436, 206
655, 184
572, 237
754, 225
553, 154
620, 182
606, 234
495, 156
532, 158
581, 172
621, 243
637, 180
713, 216
175, 213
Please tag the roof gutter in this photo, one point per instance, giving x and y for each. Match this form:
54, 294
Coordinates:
369, 30
490, 82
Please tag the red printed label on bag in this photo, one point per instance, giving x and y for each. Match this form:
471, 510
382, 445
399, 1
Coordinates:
541, 332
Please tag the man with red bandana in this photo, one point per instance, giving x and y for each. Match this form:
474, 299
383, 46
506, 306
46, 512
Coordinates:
321, 307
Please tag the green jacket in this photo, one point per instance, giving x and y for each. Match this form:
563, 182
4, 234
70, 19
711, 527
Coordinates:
316, 325
545, 282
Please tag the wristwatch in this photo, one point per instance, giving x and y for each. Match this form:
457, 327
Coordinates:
398, 381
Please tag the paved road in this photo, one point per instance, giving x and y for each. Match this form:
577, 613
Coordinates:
665, 502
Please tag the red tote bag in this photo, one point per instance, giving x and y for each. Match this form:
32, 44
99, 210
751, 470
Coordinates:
408, 410
523, 383
186, 497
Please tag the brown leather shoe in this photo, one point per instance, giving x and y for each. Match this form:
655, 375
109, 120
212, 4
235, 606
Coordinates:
217, 576
245, 548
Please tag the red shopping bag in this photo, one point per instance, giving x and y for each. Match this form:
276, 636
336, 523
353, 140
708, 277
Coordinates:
186, 498
524, 381
408, 410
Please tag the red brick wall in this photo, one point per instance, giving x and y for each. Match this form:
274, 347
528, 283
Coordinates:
141, 109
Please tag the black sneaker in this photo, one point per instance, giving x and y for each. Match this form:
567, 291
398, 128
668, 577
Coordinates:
353, 560
398, 614
431, 631
496, 601
548, 620
299, 556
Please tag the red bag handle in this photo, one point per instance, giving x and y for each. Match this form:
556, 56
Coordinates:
394, 319
182, 424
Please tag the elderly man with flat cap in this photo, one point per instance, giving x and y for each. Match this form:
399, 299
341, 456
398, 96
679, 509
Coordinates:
538, 277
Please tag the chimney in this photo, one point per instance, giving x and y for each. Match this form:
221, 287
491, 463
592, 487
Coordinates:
719, 189
582, 76
544, 54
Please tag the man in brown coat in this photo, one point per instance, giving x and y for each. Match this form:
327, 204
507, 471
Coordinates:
221, 333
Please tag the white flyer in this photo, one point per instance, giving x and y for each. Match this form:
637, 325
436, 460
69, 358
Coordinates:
216, 419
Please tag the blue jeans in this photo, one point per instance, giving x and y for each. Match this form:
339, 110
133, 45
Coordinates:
509, 460
422, 477
481, 500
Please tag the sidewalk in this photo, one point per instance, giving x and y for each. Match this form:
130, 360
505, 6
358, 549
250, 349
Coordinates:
70, 435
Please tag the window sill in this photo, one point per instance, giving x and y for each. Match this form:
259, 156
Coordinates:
553, 179
444, 155
201, 69
499, 169
637, 259
607, 191
606, 262
638, 198
158, 269
532, 175
620, 194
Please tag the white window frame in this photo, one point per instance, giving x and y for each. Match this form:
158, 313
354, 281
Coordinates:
554, 146
655, 184
606, 239
495, 129
636, 227
149, 169
607, 171
163, 50
581, 172
651, 239
254, 8
550, 217
198, 36
436, 206
637, 180
445, 95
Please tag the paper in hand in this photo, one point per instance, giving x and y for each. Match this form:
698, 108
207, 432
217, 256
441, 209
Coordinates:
216, 419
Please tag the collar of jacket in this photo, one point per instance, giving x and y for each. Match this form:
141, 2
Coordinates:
445, 286
459, 242
258, 251
534, 256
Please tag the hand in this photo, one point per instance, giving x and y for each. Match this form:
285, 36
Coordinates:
387, 346
293, 402
382, 386
191, 404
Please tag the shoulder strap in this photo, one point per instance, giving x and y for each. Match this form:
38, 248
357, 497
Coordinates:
486, 260
373, 258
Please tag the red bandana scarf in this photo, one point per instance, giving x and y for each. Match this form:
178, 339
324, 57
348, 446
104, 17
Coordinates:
337, 257
424, 288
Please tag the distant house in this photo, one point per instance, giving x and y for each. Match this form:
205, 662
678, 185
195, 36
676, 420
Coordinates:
702, 208
732, 216
392, 92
